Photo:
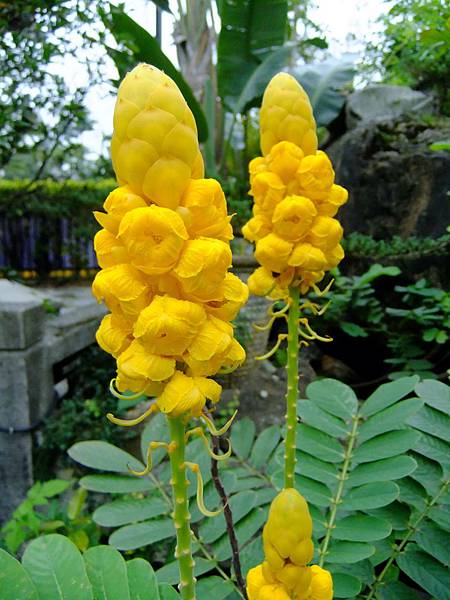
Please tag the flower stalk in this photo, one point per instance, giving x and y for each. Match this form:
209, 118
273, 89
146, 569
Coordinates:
292, 388
181, 516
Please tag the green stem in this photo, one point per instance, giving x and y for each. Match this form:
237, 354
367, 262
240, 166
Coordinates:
411, 530
292, 388
181, 514
337, 498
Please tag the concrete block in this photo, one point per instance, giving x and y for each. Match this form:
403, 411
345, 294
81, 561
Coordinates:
22, 315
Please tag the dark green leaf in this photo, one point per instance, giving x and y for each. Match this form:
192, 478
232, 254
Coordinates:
396, 590
426, 571
387, 394
170, 573
348, 552
345, 586
141, 534
317, 469
333, 396
156, 430
394, 417
245, 529
361, 528
353, 329
428, 473
318, 418
103, 456
241, 504
56, 568
434, 448
435, 394
318, 444
213, 587
370, 495
116, 484
434, 541
242, 435
395, 467
15, 582
386, 445
264, 446
124, 511
396, 513
251, 555
412, 493
432, 421
107, 573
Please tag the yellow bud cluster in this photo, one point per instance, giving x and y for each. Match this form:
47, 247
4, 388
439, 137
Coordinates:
165, 254
295, 197
288, 548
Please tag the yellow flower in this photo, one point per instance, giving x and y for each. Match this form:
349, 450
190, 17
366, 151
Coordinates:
257, 228
268, 190
321, 584
117, 204
284, 160
273, 252
336, 198
184, 394
154, 238
202, 268
315, 176
137, 369
308, 257
114, 334
309, 278
334, 256
293, 217
261, 282
109, 250
123, 289
154, 146
286, 115
168, 326
325, 233
256, 165
206, 213
234, 294
214, 348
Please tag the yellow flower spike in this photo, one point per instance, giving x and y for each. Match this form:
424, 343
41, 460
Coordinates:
109, 250
148, 466
286, 114
267, 190
117, 204
198, 431
131, 422
200, 502
293, 218
274, 253
122, 288
281, 338
212, 428
154, 145
284, 160
315, 176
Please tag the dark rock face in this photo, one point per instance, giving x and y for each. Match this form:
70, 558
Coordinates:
396, 184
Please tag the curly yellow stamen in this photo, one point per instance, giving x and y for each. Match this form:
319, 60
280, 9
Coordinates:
323, 292
131, 422
269, 324
148, 467
212, 428
120, 396
199, 432
200, 502
280, 312
311, 334
281, 338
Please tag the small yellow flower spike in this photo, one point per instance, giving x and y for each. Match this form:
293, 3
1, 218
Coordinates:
288, 549
286, 114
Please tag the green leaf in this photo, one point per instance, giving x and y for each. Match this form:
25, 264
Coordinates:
412, 493
395, 467
441, 516
318, 444
435, 394
314, 492
103, 456
370, 495
348, 552
396, 590
142, 580
333, 396
54, 487
145, 48
245, 529
430, 420
324, 83
396, 513
166, 592
252, 555
316, 469
428, 473
124, 511
163, 5
15, 582
241, 504
387, 394
434, 448
318, 418
353, 329
57, 569
265, 444
242, 435
345, 585
170, 573
116, 484
361, 528
394, 417
426, 571
213, 587
434, 541
107, 573
386, 445
141, 534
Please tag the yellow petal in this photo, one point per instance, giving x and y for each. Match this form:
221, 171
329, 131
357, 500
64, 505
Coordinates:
325, 233
183, 395
284, 159
307, 257
137, 363
316, 176
109, 250
273, 252
293, 217
113, 335
321, 584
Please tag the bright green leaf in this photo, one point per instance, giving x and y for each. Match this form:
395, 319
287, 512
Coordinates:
333, 396
15, 582
103, 456
170, 573
311, 414
107, 573
387, 394
142, 580
116, 484
142, 534
124, 511
348, 552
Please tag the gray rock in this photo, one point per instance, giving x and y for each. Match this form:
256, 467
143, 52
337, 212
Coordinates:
385, 102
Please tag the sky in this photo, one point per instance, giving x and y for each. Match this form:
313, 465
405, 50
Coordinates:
347, 24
